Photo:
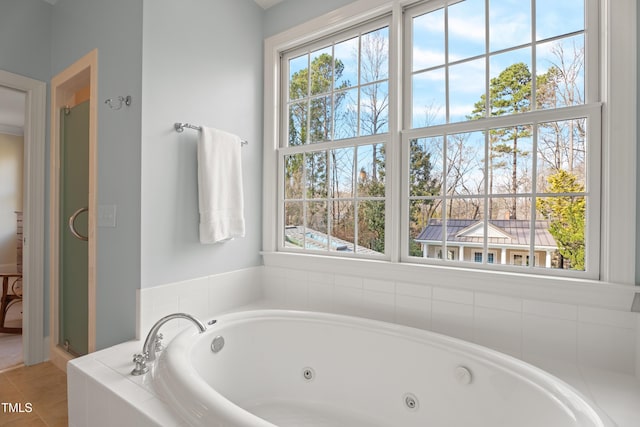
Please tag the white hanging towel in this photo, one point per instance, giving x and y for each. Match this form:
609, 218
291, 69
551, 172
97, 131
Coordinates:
220, 194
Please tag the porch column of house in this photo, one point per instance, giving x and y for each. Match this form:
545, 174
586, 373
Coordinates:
548, 259
503, 256
425, 250
461, 253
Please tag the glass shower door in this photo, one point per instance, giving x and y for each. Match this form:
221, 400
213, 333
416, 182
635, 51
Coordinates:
74, 198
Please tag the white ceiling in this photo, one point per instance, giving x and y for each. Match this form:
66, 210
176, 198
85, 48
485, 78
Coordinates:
12, 104
265, 4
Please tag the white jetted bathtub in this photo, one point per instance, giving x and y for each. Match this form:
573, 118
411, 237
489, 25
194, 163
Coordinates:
301, 369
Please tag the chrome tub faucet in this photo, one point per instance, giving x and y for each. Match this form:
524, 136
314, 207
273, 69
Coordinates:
153, 342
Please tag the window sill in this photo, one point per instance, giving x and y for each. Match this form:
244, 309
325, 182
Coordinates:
526, 286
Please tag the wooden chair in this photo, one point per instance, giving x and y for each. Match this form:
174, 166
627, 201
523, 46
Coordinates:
8, 299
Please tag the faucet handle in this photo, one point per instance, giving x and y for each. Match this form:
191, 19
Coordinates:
141, 367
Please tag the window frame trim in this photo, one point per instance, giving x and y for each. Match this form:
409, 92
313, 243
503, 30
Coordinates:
617, 52
384, 19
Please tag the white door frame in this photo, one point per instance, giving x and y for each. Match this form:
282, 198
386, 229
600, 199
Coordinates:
33, 340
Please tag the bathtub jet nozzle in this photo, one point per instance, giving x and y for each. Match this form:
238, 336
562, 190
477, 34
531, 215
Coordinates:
153, 342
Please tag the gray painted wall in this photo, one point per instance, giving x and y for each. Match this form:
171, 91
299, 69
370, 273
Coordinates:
202, 63
114, 28
290, 13
25, 34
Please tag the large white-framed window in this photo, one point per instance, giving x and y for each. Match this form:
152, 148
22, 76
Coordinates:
502, 135
607, 192
333, 142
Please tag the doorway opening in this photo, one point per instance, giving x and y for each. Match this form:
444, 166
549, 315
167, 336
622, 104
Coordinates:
22, 271
12, 112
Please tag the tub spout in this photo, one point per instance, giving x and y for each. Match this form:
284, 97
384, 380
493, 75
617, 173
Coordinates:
153, 342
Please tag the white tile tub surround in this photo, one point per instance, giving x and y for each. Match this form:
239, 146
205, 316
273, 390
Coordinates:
199, 297
102, 393
527, 328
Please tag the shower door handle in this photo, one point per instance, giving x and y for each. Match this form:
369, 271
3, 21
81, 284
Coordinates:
72, 224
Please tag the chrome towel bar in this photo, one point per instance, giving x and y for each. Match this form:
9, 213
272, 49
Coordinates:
179, 127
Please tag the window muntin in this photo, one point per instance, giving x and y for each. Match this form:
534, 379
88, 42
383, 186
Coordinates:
346, 94
520, 186
446, 76
333, 158
467, 62
334, 200
533, 200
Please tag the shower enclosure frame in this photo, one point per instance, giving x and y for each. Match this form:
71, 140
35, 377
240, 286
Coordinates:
75, 84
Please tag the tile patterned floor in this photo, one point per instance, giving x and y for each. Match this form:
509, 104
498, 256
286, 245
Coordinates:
43, 386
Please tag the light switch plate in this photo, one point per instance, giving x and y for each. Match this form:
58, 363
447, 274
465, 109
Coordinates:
106, 215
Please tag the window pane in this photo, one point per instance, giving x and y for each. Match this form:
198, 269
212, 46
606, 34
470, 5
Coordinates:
560, 73
555, 18
293, 225
346, 114
293, 185
425, 166
316, 174
429, 99
317, 217
321, 119
374, 109
510, 84
298, 123
511, 160
299, 77
374, 56
564, 229
321, 71
466, 30
466, 86
465, 164
371, 221
562, 156
467, 212
428, 40
346, 66
342, 162
313, 236
509, 24
510, 209
465, 227
371, 170
342, 226
425, 227
511, 235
